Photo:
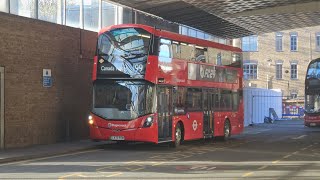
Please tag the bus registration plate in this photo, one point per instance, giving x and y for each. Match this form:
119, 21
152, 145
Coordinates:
117, 138
312, 124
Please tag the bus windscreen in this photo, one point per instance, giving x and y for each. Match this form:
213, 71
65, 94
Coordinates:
126, 49
123, 100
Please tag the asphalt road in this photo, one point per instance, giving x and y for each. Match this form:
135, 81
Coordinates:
284, 150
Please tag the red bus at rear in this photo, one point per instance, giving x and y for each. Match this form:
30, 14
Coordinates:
151, 85
312, 94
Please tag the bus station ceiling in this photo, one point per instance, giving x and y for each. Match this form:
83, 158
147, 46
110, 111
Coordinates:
233, 18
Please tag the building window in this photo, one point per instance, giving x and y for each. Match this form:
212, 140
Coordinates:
4, 6
192, 33
293, 42
127, 15
26, 8
48, 10
278, 42
91, 15
294, 71
250, 43
73, 13
250, 71
279, 71
200, 35
318, 42
108, 14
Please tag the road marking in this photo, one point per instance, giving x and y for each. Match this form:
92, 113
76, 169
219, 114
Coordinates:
262, 167
212, 168
69, 175
304, 149
138, 169
275, 162
299, 137
310, 146
80, 175
247, 174
157, 164
295, 152
285, 157
116, 174
49, 157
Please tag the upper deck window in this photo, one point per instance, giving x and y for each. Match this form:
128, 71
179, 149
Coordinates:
314, 70
126, 49
165, 48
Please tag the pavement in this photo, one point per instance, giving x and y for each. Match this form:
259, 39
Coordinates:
40, 151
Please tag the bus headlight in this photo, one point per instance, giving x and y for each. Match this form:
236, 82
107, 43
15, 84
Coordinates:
90, 120
148, 122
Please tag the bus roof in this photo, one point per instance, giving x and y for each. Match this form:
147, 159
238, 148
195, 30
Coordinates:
174, 36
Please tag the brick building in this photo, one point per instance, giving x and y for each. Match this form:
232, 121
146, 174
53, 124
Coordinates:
61, 37
279, 60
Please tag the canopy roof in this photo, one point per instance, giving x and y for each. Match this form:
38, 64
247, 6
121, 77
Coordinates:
233, 18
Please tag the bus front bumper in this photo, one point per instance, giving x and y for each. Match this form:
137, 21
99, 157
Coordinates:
137, 134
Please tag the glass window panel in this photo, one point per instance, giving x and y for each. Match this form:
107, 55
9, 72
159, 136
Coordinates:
279, 43
279, 71
200, 35
24, 8
207, 37
184, 30
127, 16
250, 71
48, 10
293, 44
318, 42
294, 69
73, 13
4, 5
91, 14
108, 14
250, 43
192, 33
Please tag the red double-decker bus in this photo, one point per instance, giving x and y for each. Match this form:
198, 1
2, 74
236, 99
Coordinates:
152, 85
312, 94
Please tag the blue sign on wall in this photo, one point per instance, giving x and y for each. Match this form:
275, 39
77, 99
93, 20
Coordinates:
47, 81
46, 78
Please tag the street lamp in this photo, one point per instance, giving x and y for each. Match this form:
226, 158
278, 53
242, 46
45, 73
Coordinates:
287, 71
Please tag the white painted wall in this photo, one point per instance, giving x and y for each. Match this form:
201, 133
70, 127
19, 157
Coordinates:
262, 100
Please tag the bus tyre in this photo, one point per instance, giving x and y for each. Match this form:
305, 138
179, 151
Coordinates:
227, 130
177, 136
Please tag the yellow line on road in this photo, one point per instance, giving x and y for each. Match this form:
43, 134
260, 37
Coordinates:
247, 174
112, 175
69, 175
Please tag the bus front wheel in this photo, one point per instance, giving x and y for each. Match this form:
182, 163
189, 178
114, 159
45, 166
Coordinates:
227, 130
178, 136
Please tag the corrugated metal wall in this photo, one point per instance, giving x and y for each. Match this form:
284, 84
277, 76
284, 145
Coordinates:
257, 102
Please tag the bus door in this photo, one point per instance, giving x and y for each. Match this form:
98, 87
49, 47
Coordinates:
164, 113
207, 114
